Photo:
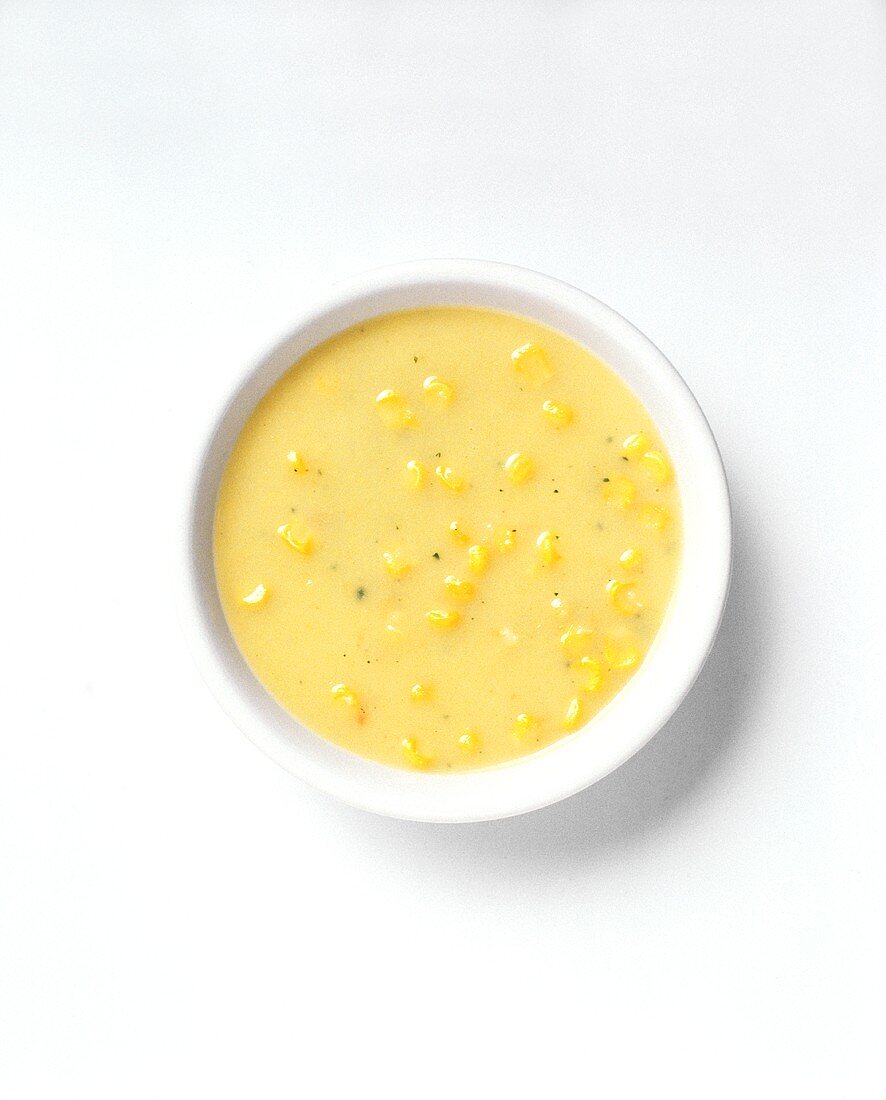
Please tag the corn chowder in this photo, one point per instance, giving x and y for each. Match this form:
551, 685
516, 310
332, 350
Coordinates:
446, 538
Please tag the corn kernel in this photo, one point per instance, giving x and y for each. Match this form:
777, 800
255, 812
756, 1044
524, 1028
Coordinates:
469, 741
531, 363
623, 597
577, 640
478, 558
420, 693
507, 540
444, 620
345, 695
519, 468
296, 461
395, 563
572, 715
632, 558
653, 515
619, 491
546, 544
413, 756
557, 413
458, 589
416, 474
394, 626
394, 411
258, 595
436, 388
300, 540
635, 444
593, 673
657, 466
458, 533
524, 725
621, 652
450, 478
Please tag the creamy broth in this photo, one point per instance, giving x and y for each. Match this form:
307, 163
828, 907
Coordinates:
446, 538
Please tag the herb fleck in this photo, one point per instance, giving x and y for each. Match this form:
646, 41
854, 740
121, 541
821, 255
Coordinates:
436, 555
605, 478
361, 592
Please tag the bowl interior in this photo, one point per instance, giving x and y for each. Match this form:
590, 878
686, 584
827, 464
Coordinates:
649, 697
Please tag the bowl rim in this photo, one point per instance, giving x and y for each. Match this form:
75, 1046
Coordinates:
633, 716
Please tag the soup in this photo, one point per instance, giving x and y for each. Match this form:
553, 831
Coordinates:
446, 538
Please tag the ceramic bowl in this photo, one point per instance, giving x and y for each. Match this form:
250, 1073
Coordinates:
648, 699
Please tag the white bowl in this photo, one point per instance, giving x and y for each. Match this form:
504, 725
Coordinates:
650, 696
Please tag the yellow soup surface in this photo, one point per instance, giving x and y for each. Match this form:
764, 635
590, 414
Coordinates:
447, 537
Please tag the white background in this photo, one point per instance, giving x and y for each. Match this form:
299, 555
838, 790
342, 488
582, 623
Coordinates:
179, 917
